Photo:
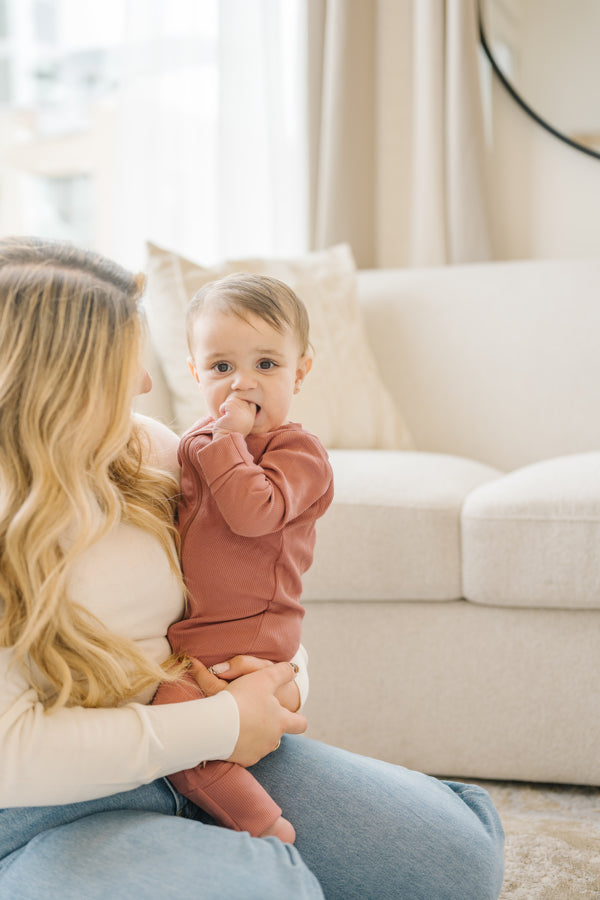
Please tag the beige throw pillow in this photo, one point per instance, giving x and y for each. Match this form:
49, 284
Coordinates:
343, 400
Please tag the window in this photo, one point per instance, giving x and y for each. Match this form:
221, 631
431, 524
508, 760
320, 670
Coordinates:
176, 121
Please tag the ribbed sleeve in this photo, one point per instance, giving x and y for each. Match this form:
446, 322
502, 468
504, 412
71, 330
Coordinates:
79, 754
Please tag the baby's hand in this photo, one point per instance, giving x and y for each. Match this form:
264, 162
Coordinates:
237, 416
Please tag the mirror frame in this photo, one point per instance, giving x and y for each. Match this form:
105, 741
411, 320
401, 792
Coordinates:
519, 99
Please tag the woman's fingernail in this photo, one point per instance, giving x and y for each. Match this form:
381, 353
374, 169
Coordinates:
295, 668
219, 668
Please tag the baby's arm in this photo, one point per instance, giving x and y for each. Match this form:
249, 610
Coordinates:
294, 473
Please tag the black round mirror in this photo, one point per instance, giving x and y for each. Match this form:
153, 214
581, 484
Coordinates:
545, 53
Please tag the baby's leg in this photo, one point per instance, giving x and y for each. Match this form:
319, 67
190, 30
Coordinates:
185, 688
233, 797
228, 792
281, 829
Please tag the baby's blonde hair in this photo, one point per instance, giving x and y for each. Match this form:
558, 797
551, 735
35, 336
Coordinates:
71, 464
242, 294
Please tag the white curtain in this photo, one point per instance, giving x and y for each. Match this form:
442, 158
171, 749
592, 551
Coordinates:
397, 138
209, 134
177, 121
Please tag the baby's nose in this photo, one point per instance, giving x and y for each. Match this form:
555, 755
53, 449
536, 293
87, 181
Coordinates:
243, 381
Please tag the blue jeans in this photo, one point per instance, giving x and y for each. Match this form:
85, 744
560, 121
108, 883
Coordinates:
365, 829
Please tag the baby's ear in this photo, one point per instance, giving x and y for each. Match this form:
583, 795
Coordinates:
193, 369
304, 367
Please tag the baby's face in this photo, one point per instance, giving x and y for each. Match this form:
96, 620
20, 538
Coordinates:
249, 359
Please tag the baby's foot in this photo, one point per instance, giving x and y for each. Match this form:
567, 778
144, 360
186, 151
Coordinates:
281, 829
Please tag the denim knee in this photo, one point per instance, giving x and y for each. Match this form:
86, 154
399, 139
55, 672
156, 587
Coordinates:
483, 851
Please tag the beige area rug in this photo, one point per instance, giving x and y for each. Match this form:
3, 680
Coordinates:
552, 840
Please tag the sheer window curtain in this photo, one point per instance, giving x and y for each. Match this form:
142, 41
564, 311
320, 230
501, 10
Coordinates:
397, 149
210, 155
176, 121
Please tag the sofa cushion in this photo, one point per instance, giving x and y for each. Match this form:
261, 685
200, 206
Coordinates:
343, 400
393, 530
532, 538
487, 360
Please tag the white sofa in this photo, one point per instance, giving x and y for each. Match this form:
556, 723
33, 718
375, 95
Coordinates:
453, 608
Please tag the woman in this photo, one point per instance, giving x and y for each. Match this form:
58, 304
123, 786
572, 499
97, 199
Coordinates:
89, 583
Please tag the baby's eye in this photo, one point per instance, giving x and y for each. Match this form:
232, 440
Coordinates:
222, 367
266, 364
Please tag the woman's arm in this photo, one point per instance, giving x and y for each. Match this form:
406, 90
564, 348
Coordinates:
163, 444
78, 754
300, 660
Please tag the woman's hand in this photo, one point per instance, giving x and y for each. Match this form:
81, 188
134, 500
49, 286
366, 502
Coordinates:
263, 719
288, 694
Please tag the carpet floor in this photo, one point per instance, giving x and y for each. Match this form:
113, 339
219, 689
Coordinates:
552, 840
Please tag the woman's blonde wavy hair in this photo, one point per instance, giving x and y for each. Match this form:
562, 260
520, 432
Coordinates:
71, 464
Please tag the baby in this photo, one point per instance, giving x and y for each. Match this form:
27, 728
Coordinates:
252, 487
